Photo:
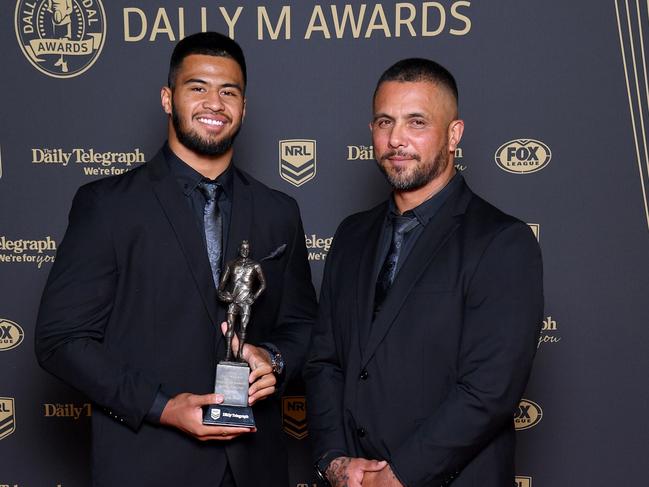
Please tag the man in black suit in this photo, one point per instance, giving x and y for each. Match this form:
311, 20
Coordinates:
130, 314
430, 309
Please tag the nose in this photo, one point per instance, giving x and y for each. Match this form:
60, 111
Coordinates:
213, 101
397, 136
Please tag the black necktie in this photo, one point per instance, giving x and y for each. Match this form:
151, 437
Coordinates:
400, 226
213, 227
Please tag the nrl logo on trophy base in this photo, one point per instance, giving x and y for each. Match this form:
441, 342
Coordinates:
61, 38
297, 160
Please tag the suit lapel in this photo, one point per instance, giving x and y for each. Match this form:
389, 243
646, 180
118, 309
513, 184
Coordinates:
436, 233
174, 206
367, 274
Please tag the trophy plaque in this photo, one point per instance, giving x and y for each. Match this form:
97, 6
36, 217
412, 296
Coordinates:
232, 373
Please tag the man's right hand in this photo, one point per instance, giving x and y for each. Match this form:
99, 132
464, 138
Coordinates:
348, 472
185, 412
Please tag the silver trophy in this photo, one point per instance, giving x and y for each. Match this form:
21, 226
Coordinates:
232, 374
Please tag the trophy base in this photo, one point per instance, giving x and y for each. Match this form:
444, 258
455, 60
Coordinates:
232, 382
220, 415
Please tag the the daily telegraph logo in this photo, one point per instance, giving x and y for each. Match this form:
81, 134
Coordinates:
360, 153
93, 162
294, 416
318, 247
61, 38
297, 160
523, 156
528, 415
11, 334
523, 481
7, 417
73, 411
549, 332
536, 230
27, 251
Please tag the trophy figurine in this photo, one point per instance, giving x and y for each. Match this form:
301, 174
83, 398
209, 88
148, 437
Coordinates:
232, 373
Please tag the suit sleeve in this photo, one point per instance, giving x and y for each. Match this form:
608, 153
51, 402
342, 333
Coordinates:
75, 311
324, 375
298, 306
502, 318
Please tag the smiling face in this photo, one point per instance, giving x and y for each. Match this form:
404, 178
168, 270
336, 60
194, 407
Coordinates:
206, 104
415, 133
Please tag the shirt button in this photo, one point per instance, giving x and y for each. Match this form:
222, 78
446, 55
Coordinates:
364, 375
360, 432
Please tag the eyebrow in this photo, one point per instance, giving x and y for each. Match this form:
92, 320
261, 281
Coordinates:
203, 82
409, 115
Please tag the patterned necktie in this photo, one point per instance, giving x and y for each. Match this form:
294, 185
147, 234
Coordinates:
400, 226
213, 227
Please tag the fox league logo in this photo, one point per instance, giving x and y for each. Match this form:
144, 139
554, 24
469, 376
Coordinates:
297, 160
61, 38
11, 334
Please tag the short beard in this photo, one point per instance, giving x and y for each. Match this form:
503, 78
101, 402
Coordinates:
198, 144
421, 175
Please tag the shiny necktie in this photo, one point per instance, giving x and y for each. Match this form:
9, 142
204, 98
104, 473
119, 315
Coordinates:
400, 226
213, 227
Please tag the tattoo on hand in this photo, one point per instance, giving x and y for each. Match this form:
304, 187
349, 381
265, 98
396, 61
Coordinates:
337, 472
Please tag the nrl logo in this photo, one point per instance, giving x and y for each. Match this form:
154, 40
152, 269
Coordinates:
7, 417
297, 160
61, 38
294, 416
215, 414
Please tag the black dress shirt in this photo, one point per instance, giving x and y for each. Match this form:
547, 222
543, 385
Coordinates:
424, 214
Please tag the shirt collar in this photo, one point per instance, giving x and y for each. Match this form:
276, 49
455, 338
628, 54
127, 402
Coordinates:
189, 178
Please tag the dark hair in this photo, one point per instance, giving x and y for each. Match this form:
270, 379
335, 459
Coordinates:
419, 69
209, 43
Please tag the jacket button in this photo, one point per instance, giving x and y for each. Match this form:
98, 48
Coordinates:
360, 432
364, 375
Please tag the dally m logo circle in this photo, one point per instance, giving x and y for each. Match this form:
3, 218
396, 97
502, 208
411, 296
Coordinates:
11, 335
61, 38
522, 156
528, 415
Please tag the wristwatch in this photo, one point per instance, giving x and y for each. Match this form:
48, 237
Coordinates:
322, 464
320, 468
276, 359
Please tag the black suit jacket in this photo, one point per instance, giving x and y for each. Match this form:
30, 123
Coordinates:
434, 388
130, 308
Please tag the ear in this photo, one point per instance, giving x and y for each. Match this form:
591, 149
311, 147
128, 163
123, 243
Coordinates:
243, 112
371, 127
165, 99
455, 131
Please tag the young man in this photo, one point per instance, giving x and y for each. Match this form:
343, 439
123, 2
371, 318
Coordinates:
430, 309
130, 314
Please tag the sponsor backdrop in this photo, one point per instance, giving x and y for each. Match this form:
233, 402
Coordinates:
555, 99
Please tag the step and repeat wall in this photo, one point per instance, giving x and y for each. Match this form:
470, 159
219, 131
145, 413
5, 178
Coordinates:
554, 97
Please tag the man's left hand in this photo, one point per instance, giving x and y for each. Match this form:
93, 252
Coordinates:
262, 380
382, 478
